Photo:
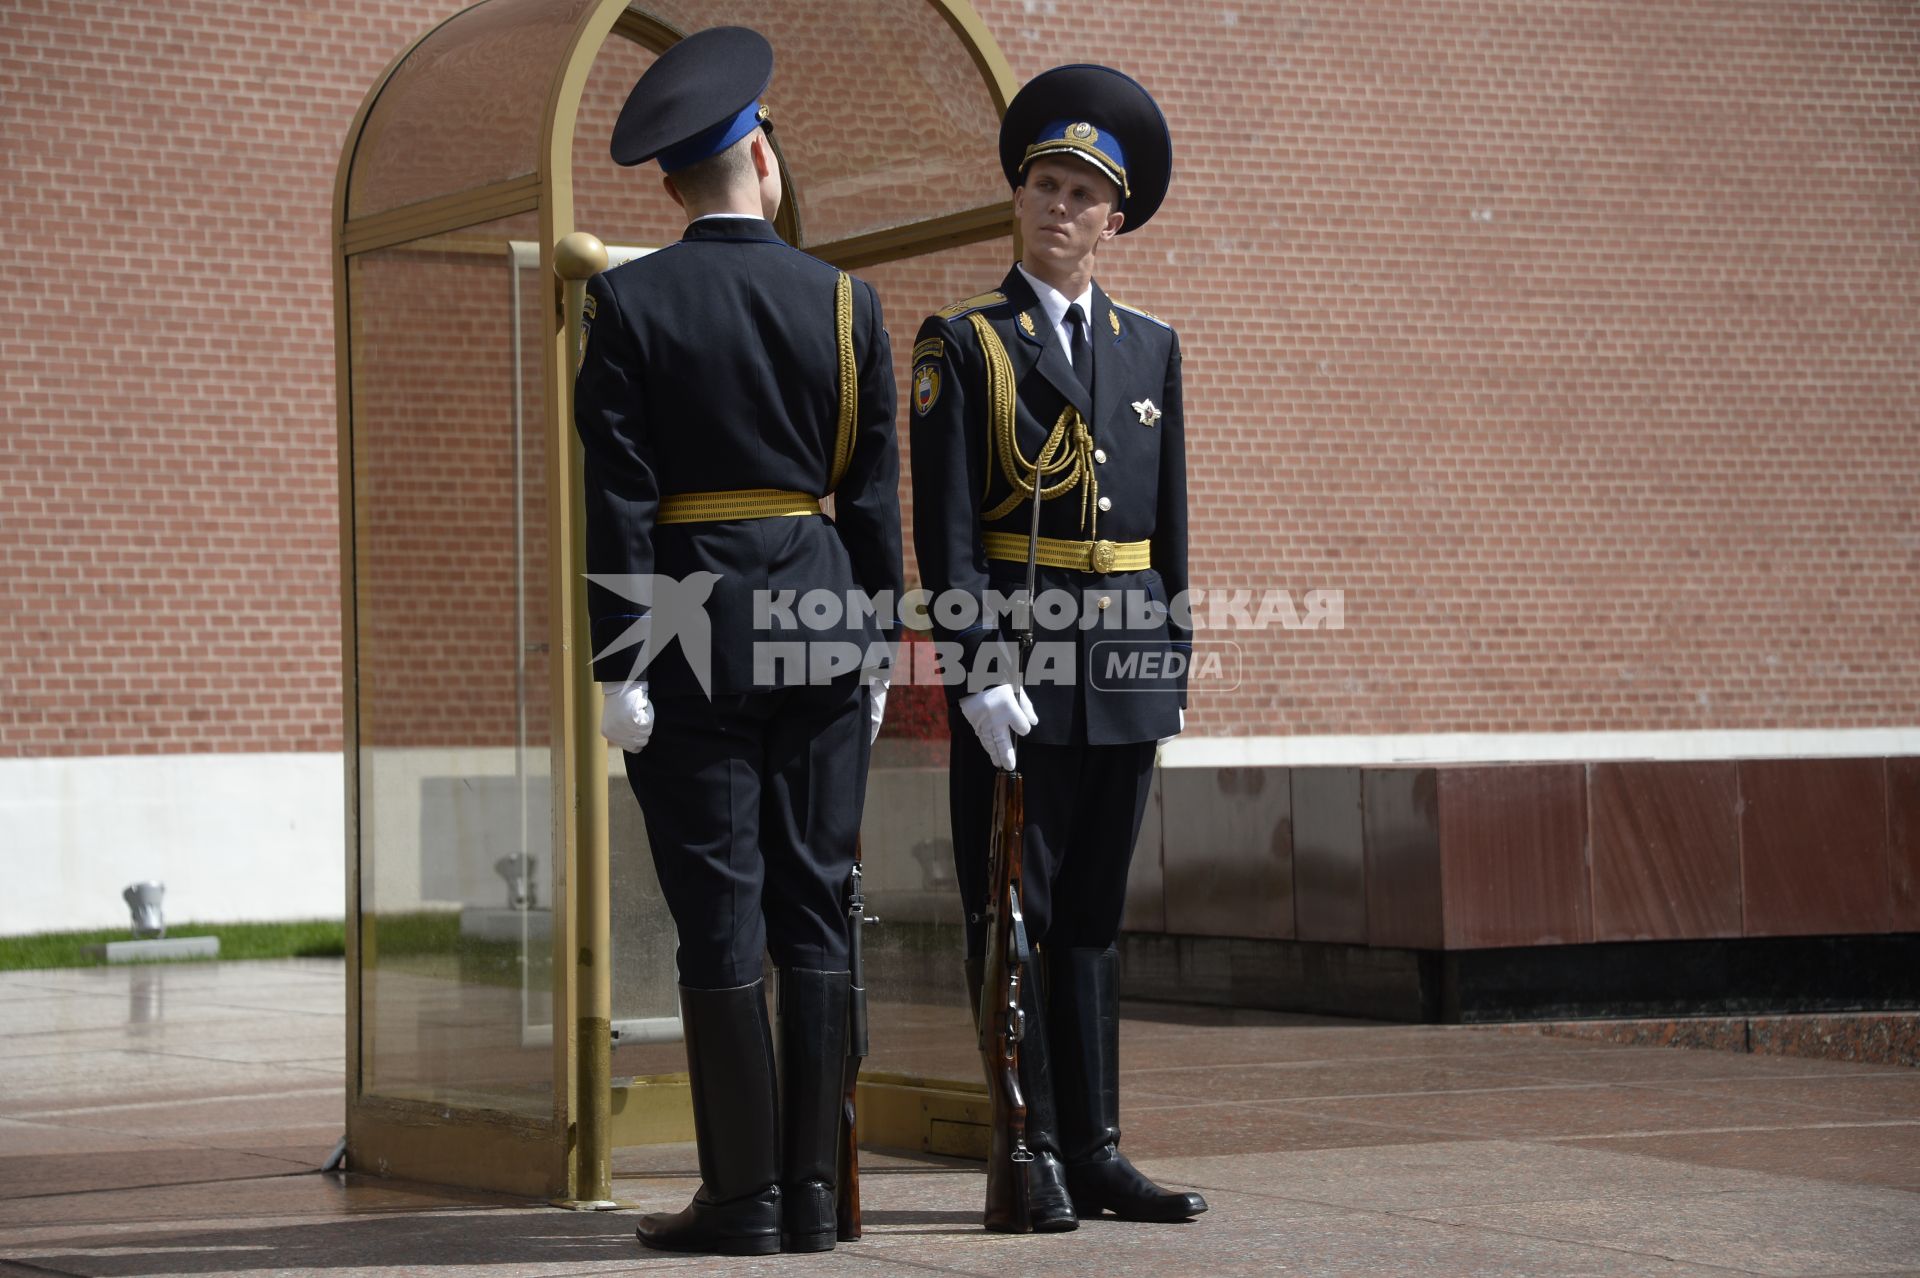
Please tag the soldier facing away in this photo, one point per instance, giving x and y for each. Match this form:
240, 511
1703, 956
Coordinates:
729, 383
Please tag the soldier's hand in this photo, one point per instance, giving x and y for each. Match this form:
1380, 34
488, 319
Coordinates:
997, 716
876, 706
626, 720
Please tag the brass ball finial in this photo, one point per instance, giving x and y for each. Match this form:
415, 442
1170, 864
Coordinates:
579, 256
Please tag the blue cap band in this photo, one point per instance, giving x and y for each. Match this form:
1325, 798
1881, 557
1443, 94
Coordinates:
1084, 141
711, 142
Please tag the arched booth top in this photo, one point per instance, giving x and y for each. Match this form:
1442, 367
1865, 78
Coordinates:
888, 111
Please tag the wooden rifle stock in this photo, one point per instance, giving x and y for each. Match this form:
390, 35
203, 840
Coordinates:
847, 1179
1000, 1019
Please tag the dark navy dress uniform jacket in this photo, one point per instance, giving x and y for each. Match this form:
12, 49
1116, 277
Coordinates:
710, 365
957, 478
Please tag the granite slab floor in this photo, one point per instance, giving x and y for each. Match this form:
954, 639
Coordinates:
160, 1121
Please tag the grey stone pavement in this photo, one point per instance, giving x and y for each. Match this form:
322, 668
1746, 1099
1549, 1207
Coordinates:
170, 1121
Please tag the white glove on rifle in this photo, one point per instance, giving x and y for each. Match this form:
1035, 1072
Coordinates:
876, 706
996, 716
626, 720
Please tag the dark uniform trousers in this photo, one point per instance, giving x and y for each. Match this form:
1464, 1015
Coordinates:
751, 798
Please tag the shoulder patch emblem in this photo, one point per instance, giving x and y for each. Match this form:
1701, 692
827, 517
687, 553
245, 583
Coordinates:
926, 388
591, 305
975, 303
928, 348
1134, 310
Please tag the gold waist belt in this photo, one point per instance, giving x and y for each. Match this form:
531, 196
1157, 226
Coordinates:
1086, 556
737, 503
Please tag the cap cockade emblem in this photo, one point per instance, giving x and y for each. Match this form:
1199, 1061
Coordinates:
1148, 413
1083, 132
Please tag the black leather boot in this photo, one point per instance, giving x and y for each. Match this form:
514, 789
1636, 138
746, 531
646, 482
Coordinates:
812, 1018
1048, 1203
730, 1065
1084, 990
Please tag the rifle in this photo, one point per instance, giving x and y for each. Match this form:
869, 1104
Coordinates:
1001, 1021
847, 1181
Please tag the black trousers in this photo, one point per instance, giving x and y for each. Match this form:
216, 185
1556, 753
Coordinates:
1084, 806
752, 806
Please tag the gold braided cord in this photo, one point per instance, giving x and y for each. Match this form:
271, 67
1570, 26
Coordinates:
849, 379
1067, 454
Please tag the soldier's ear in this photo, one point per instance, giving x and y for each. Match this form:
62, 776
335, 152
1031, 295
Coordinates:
666, 182
762, 152
1115, 221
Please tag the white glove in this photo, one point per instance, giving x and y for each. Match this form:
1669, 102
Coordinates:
626, 720
876, 706
1177, 731
996, 717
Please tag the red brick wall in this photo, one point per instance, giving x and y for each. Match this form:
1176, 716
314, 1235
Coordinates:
1576, 342
168, 508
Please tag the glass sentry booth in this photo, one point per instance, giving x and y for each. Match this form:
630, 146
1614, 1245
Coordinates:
511, 993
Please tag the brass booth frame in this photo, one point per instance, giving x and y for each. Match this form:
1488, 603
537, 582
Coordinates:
567, 1156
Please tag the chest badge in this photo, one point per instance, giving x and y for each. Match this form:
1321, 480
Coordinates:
926, 388
1149, 415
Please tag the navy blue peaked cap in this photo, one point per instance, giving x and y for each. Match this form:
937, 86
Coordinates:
1097, 115
696, 100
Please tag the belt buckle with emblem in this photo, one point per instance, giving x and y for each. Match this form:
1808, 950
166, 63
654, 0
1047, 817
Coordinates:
1103, 556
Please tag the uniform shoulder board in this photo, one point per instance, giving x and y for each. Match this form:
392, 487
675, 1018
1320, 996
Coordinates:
977, 303
1145, 315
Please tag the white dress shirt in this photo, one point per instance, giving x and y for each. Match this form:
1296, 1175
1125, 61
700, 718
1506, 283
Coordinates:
1055, 304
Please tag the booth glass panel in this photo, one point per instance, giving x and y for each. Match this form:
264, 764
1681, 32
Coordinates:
646, 1001
920, 1025
450, 565
465, 108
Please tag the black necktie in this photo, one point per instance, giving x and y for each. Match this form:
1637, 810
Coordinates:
1082, 353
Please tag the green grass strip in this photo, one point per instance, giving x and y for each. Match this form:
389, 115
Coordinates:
311, 938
